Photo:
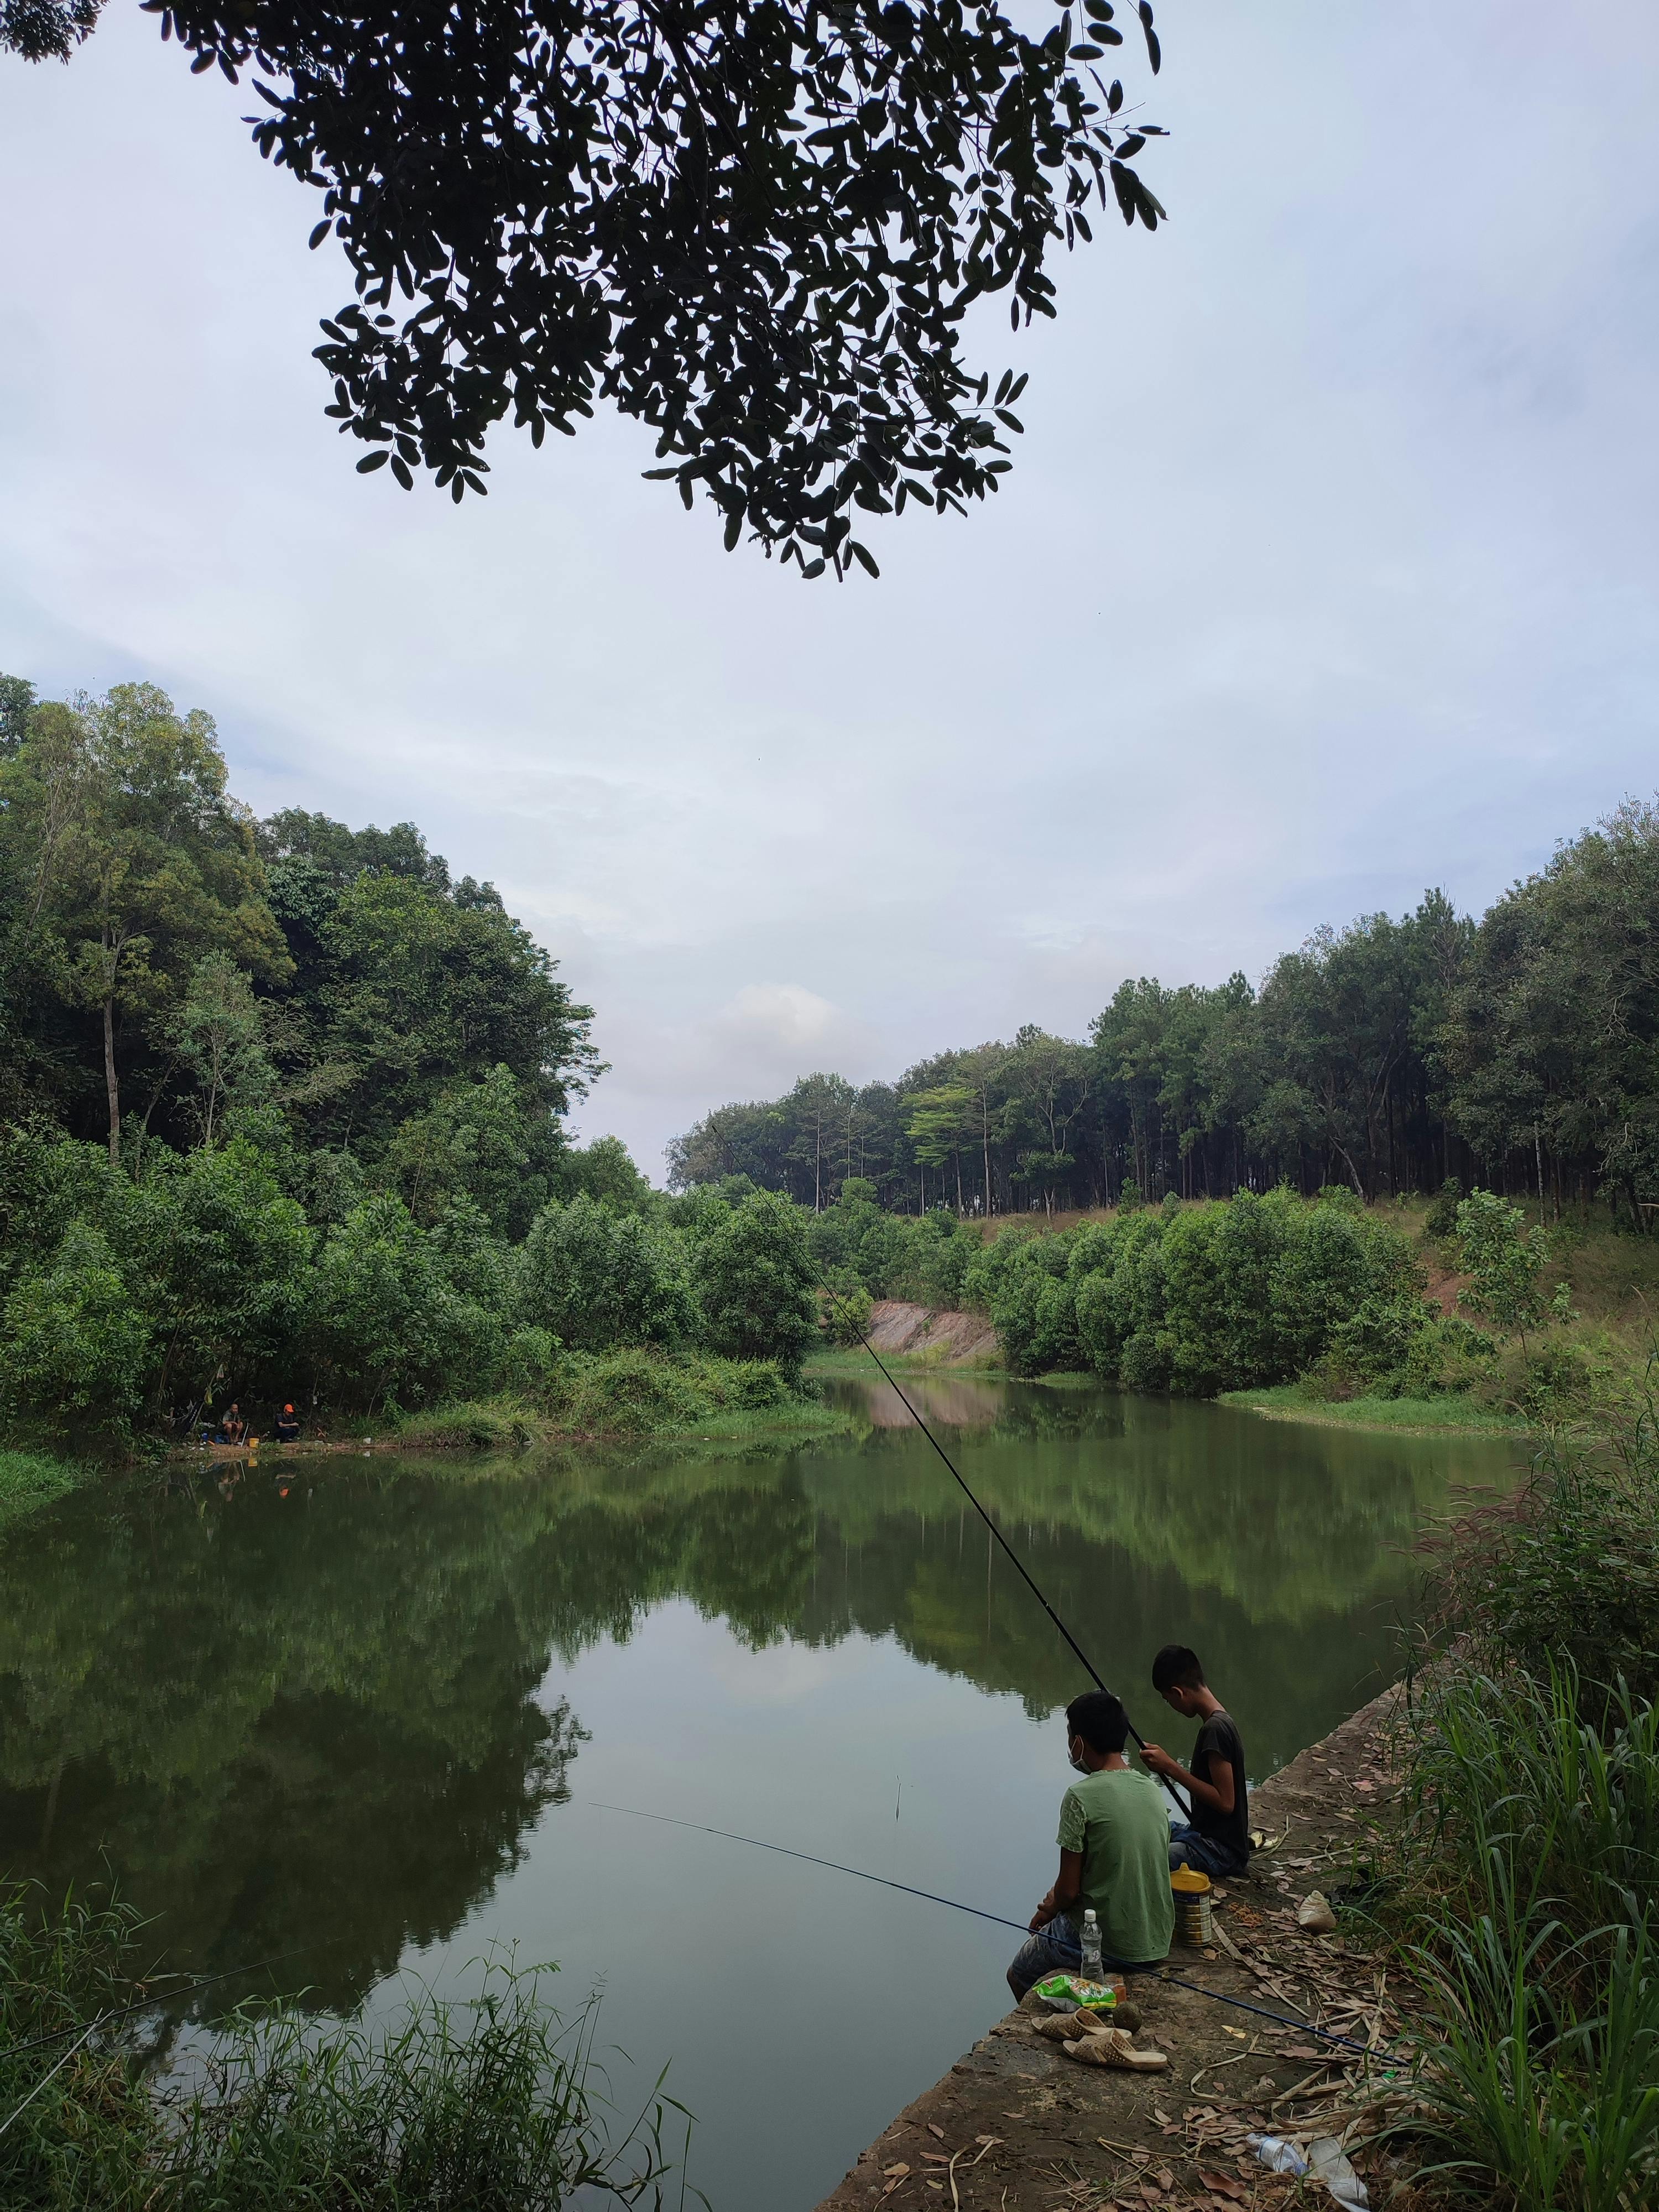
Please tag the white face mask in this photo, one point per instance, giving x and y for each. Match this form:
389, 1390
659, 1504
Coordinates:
1077, 1765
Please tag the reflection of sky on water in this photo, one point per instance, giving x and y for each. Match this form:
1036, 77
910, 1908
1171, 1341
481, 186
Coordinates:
374, 1716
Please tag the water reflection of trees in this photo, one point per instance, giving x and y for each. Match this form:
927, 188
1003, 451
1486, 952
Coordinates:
313, 1719
279, 1723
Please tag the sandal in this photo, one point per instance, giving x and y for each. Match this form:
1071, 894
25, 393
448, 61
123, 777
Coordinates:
1110, 2046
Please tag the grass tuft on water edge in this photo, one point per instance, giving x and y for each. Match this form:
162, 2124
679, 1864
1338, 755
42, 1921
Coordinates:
30, 1479
493, 2104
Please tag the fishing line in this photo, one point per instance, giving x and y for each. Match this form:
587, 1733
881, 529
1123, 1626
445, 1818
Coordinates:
1009, 1552
1000, 1920
161, 1997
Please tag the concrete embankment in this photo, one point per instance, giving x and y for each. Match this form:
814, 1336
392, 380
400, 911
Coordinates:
1016, 2126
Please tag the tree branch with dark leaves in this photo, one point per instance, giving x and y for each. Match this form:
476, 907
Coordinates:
754, 225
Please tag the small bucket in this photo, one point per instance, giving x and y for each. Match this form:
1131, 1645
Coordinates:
1191, 1890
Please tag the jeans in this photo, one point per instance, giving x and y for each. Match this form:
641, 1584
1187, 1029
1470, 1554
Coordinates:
1058, 1949
1207, 1853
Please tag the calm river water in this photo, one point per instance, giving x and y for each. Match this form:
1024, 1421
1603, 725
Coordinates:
378, 1708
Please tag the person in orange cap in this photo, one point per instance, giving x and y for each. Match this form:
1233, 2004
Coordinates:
287, 1427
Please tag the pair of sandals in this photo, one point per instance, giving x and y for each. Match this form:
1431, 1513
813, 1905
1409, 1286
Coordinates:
1096, 2038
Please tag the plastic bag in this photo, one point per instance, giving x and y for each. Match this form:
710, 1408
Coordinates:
1068, 1992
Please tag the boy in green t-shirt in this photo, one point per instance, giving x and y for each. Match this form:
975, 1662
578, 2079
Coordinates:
1114, 1855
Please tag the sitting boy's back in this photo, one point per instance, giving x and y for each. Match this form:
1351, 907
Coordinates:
1114, 1855
1116, 1817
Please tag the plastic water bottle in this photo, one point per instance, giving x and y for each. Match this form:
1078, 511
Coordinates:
1279, 2155
1091, 1969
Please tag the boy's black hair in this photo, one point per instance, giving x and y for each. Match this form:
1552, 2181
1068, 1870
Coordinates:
1177, 1667
1099, 1718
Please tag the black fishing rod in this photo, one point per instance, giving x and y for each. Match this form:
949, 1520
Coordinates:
1078, 1650
153, 2002
999, 1919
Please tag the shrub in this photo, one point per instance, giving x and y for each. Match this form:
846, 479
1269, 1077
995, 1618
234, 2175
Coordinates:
1503, 1260
757, 1283
482, 2105
76, 1352
1440, 1222
1203, 1297
639, 1393
845, 1317
382, 1311
1565, 1571
596, 1278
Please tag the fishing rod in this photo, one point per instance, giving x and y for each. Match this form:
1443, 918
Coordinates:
999, 1919
160, 1997
1087, 1663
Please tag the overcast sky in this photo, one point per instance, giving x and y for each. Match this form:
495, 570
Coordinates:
1326, 572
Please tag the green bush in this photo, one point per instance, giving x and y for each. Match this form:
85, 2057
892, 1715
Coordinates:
844, 1317
1440, 1222
1530, 1842
595, 1278
757, 1282
1205, 1297
642, 1393
76, 1352
1567, 1571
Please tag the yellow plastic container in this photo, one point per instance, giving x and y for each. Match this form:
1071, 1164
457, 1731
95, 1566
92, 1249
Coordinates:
1191, 1907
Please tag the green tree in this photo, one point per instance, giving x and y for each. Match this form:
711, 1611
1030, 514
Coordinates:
221, 1258
605, 1171
382, 1313
219, 1033
942, 1121
595, 1278
1503, 1260
424, 991
75, 1356
756, 1283
1551, 1040
134, 862
16, 705
1049, 1079
476, 1140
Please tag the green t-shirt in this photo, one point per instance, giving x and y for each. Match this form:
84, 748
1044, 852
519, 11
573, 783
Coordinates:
1116, 1819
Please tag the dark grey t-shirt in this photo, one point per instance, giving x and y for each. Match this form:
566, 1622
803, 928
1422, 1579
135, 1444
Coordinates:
1220, 1745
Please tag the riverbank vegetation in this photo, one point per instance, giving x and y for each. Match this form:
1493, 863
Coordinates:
1528, 1864
1465, 1311
490, 2104
283, 1119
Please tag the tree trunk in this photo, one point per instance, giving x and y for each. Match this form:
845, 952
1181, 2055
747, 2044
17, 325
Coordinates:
111, 1084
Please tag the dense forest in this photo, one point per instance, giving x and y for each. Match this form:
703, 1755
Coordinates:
281, 1116
1520, 1051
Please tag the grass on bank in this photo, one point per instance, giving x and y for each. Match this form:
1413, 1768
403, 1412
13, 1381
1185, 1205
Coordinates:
488, 2106
30, 1479
1521, 1898
629, 1393
1289, 1401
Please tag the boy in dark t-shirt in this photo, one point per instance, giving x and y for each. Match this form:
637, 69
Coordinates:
1217, 1840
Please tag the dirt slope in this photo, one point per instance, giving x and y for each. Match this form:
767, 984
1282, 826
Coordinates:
953, 1339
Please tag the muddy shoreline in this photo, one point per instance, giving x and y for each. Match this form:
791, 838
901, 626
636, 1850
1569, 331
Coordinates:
1016, 2126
